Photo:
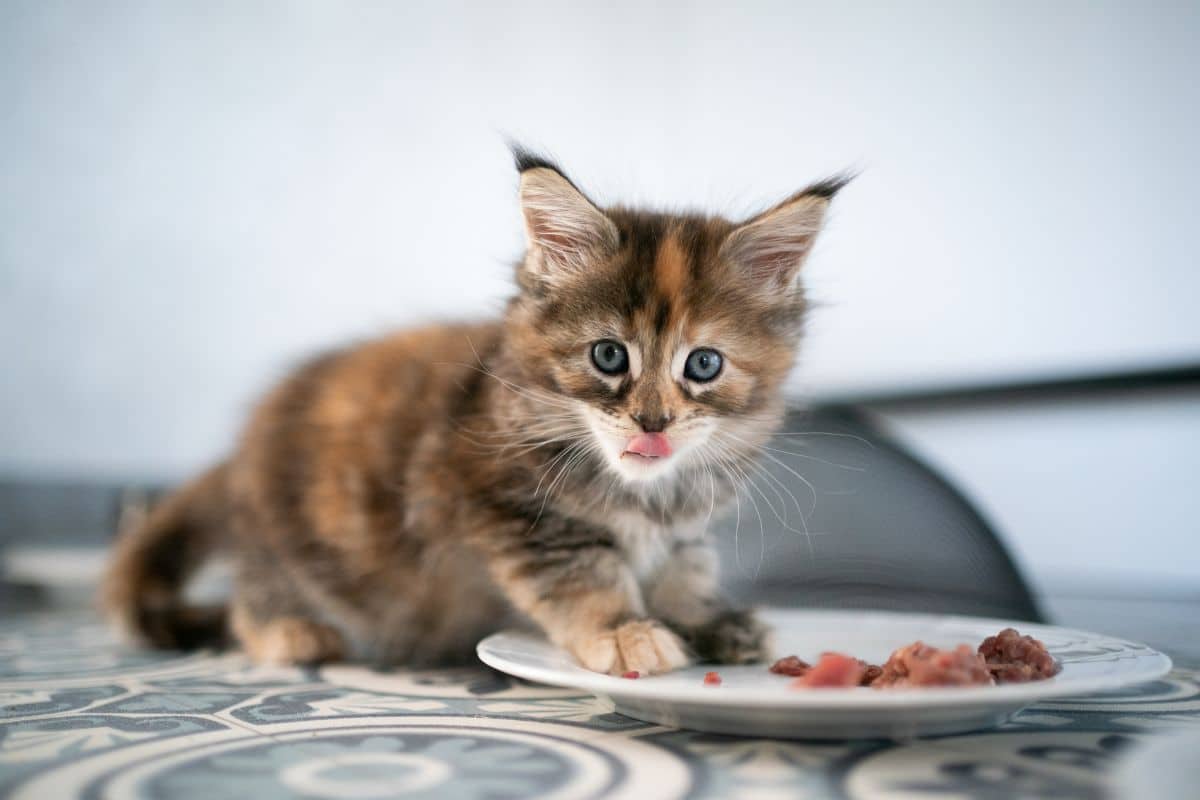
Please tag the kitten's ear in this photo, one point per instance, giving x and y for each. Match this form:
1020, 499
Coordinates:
771, 247
564, 228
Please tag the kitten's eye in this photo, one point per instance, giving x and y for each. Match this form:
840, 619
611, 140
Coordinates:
702, 365
610, 357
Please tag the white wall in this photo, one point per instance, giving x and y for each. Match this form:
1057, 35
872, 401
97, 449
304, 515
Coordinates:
192, 196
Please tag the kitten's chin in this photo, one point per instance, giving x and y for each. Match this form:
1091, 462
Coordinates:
634, 468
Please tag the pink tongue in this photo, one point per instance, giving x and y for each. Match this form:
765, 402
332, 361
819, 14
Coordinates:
651, 445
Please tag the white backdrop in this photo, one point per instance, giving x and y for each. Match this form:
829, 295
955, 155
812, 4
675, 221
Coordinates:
195, 195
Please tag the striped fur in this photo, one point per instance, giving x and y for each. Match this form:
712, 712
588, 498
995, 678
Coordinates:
398, 500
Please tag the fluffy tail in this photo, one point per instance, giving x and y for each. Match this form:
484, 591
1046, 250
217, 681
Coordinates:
153, 560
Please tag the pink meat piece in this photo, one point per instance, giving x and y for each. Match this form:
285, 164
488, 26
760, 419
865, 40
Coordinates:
918, 664
832, 670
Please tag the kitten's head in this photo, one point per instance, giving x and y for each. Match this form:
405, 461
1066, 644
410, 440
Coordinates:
663, 339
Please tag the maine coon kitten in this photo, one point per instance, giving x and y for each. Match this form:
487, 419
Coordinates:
401, 499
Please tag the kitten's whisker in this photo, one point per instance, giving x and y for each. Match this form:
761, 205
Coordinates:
563, 434
581, 450
783, 488
569, 448
546, 499
712, 493
529, 438
550, 465
571, 464
719, 461
691, 493
737, 526
517, 427
803, 434
797, 475
747, 482
536, 395
767, 449
608, 493
530, 446
783, 522
776, 481
743, 470
818, 459
812, 489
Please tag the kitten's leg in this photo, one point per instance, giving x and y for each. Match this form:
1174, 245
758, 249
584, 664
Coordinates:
587, 600
686, 594
733, 636
287, 640
274, 627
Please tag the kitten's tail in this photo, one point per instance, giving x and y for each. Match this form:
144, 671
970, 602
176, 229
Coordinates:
153, 559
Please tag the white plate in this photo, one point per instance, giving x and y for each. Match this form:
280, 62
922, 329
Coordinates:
753, 702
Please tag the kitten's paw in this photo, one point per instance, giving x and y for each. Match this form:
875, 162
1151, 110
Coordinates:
648, 647
643, 646
733, 637
291, 640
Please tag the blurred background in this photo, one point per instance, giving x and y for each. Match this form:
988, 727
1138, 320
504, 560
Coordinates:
195, 196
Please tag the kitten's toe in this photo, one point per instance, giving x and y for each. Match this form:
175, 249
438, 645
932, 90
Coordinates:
599, 653
649, 648
734, 637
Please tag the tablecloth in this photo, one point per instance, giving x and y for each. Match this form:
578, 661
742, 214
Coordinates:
83, 716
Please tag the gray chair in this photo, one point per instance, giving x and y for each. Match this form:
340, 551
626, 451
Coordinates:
842, 516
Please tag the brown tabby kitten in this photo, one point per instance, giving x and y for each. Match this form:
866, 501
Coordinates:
399, 500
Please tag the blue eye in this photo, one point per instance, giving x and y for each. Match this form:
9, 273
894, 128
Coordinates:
610, 357
702, 365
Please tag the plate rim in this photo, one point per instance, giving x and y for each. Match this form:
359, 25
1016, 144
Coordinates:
856, 698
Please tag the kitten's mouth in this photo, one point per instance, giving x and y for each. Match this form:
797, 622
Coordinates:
648, 446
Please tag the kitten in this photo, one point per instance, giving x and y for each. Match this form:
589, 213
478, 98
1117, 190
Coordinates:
399, 500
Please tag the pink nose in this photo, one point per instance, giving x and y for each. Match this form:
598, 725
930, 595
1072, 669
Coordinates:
650, 445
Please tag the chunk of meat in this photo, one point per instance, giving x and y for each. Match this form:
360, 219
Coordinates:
791, 665
1007, 657
870, 673
832, 670
796, 667
1013, 658
918, 664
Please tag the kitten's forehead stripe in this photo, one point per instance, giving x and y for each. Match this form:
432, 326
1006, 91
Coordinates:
662, 315
670, 269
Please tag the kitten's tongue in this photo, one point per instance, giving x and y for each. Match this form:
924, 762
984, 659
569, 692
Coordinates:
650, 445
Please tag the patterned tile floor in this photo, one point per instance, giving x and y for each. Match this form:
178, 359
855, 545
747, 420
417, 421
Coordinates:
82, 717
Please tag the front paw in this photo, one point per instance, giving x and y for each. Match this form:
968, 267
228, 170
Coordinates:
643, 646
733, 637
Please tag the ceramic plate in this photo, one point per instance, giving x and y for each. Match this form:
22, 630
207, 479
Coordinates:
753, 702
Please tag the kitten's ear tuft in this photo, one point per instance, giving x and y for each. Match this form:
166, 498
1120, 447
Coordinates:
564, 229
828, 187
524, 158
772, 246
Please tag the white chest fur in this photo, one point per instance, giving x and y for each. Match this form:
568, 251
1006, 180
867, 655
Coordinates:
645, 542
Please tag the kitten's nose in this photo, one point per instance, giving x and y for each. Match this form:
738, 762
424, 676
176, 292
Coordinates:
652, 423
